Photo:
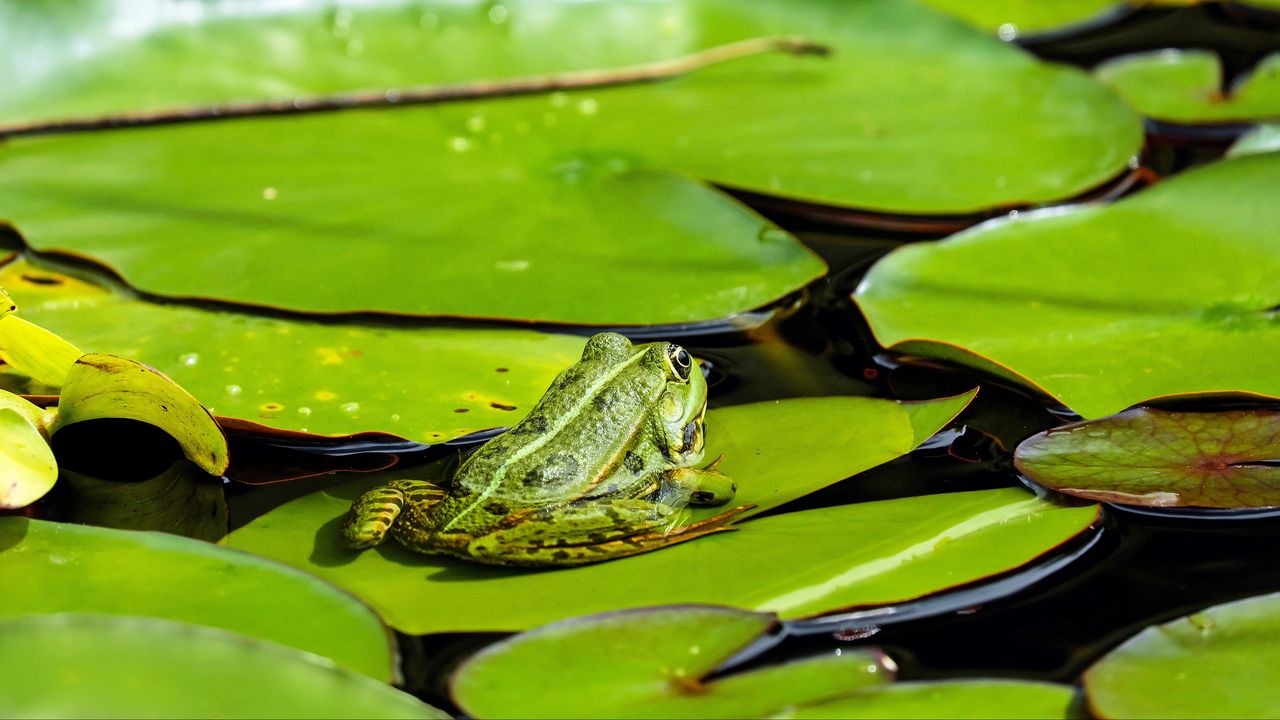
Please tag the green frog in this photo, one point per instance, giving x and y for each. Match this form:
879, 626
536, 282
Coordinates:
602, 467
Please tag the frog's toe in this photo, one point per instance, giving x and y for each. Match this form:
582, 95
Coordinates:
706, 487
716, 496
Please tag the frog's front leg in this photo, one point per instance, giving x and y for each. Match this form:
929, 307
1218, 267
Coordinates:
373, 513
707, 486
591, 532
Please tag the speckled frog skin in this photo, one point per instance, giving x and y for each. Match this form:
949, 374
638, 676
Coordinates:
600, 468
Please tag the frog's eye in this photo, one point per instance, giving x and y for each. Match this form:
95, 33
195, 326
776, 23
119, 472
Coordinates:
679, 361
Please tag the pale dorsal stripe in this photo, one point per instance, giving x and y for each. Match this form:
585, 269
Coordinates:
552, 430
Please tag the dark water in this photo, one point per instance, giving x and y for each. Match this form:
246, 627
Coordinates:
1137, 570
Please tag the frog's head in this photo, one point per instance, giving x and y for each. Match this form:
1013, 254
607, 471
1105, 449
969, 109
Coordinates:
684, 403
681, 400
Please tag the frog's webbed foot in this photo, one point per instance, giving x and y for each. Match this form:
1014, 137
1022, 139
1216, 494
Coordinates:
372, 514
592, 532
707, 486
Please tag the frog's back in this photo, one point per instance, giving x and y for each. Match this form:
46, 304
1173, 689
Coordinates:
577, 433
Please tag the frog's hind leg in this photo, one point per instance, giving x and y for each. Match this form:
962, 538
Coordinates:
372, 514
592, 532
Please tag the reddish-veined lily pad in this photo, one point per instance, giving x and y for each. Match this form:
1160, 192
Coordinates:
1219, 662
1185, 86
650, 663
1172, 290
85, 665
1156, 458
610, 227
61, 567
426, 384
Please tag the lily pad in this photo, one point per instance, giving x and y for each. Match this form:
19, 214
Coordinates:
182, 500
1172, 290
1011, 18
105, 386
837, 437
35, 352
1221, 460
797, 564
612, 229
28, 468
75, 568
949, 700
650, 663
1185, 86
1261, 139
427, 384
85, 665
1220, 662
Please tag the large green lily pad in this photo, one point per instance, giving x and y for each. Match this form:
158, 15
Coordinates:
92, 666
650, 663
1220, 662
1185, 86
57, 567
798, 564
611, 227
1221, 460
424, 384
1172, 290
949, 700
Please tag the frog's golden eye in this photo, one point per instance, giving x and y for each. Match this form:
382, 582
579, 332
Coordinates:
679, 361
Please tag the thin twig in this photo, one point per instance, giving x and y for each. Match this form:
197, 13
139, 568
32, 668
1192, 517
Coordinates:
425, 94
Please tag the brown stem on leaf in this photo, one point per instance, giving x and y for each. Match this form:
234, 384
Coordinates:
419, 95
